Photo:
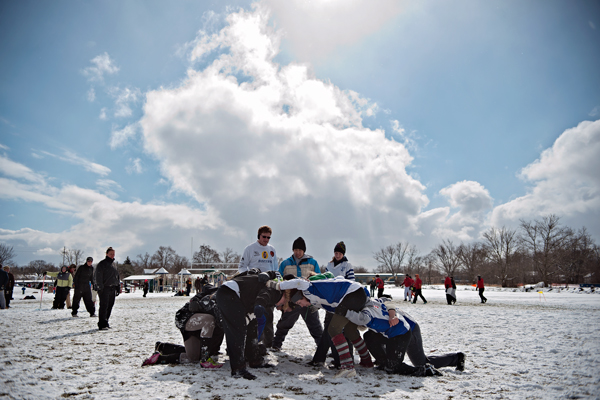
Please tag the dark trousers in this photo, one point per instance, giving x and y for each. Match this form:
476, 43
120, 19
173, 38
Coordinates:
450, 299
417, 356
288, 319
145, 291
60, 296
107, 301
481, 296
84, 293
379, 292
417, 294
241, 339
8, 293
389, 352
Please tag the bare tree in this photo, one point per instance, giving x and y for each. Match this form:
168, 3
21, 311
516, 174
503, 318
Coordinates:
446, 255
163, 257
579, 257
390, 258
544, 239
179, 263
145, 261
414, 260
359, 269
501, 246
38, 267
205, 256
7, 253
230, 256
77, 256
472, 256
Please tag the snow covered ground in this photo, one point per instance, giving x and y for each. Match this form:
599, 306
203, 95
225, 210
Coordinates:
518, 346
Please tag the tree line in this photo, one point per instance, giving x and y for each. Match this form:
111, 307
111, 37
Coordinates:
540, 250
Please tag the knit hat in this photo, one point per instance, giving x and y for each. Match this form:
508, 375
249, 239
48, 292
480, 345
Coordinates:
340, 248
296, 297
299, 244
89, 259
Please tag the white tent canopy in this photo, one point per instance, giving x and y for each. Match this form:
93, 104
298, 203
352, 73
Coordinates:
140, 277
162, 271
184, 272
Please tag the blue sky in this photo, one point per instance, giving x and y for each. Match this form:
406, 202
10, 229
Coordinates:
145, 123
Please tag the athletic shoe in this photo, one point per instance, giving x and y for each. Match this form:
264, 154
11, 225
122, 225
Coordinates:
427, 370
153, 359
243, 373
317, 364
275, 348
366, 364
104, 328
210, 363
74, 315
345, 373
92, 315
460, 366
333, 366
424, 302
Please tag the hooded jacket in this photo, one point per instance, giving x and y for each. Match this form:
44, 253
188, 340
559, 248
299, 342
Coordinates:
63, 279
84, 276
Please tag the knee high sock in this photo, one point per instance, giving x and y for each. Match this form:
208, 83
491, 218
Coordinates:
365, 356
341, 345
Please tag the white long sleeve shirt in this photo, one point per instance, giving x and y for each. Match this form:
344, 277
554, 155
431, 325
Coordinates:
261, 257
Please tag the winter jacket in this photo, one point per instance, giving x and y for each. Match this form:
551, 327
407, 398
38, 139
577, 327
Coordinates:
480, 283
447, 282
3, 279
63, 279
11, 282
84, 276
380, 283
375, 316
106, 274
326, 293
301, 269
341, 268
408, 282
418, 283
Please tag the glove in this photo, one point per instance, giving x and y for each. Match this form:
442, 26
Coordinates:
264, 277
261, 319
273, 285
341, 310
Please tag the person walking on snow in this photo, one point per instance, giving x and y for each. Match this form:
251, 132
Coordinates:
84, 280
408, 282
481, 288
299, 265
64, 282
10, 285
380, 285
107, 282
418, 284
451, 292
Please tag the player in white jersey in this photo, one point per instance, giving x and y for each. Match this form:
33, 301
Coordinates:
262, 255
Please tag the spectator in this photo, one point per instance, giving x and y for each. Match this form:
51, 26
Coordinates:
198, 285
10, 285
418, 284
408, 283
64, 282
380, 286
3, 283
84, 280
451, 292
481, 288
146, 286
107, 282
372, 286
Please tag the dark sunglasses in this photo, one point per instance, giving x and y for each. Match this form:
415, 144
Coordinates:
266, 237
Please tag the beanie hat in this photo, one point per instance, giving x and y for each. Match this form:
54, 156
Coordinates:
89, 259
299, 244
296, 297
340, 248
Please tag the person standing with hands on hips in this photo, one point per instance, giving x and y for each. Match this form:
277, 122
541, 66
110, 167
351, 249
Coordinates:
261, 255
107, 286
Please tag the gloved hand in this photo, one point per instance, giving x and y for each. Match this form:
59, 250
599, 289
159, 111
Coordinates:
341, 310
261, 319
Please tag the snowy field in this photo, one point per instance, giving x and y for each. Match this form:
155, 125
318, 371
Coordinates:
518, 346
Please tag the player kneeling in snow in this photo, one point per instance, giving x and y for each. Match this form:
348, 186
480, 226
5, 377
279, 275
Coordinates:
392, 334
200, 324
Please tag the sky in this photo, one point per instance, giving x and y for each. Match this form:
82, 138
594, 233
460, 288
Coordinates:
142, 124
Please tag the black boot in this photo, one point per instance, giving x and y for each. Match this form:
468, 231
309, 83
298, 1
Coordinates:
169, 348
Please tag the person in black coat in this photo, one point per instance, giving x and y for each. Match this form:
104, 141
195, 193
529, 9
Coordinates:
84, 277
243, 302
106, 278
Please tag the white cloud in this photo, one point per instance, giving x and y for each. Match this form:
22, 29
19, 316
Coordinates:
314, 29
103, 221
281, 147
73, 158
565, 179
13, 169
102, 115
595, 112
409, 139
135, 166
102, 65
3, 147
124, 98
91, 95
119, 137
